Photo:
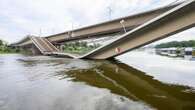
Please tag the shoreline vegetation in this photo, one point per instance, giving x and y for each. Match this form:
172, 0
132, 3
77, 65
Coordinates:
5, 49
176, 44
184, 49
79, 47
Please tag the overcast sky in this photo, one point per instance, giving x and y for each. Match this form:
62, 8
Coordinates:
21, 17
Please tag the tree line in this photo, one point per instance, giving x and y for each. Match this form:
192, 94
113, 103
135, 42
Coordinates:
4, 48
177, 44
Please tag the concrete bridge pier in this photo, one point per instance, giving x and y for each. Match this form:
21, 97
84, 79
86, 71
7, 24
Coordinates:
62, 47
35, 50
30, 49
59, 46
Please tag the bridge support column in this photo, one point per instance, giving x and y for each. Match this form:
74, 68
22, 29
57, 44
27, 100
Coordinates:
34, 50
62, 47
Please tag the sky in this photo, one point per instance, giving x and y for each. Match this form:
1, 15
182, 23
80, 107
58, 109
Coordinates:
19, 18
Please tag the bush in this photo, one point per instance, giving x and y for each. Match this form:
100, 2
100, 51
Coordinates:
190, 43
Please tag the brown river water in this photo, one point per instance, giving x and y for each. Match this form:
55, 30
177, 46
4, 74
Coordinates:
134, 81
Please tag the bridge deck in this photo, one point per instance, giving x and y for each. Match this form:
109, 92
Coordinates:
47, 48
101, 29
43, 45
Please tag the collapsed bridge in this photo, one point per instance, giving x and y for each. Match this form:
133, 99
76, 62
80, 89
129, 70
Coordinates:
141, 29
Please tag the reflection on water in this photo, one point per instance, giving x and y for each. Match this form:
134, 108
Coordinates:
166, 69
47, 83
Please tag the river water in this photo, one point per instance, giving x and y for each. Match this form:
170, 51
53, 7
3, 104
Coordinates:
134, 81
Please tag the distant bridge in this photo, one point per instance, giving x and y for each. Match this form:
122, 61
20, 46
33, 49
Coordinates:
142, 29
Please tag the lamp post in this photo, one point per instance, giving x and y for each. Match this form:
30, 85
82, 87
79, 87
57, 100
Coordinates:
70, 33
40, 32
110, 13
122, 23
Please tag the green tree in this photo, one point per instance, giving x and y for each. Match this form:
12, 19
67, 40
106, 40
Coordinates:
1, 42
190, 43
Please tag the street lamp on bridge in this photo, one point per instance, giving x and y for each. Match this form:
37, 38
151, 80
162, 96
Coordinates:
122, 23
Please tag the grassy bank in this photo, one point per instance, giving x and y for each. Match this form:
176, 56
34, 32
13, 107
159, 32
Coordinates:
79, 47
5, 49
